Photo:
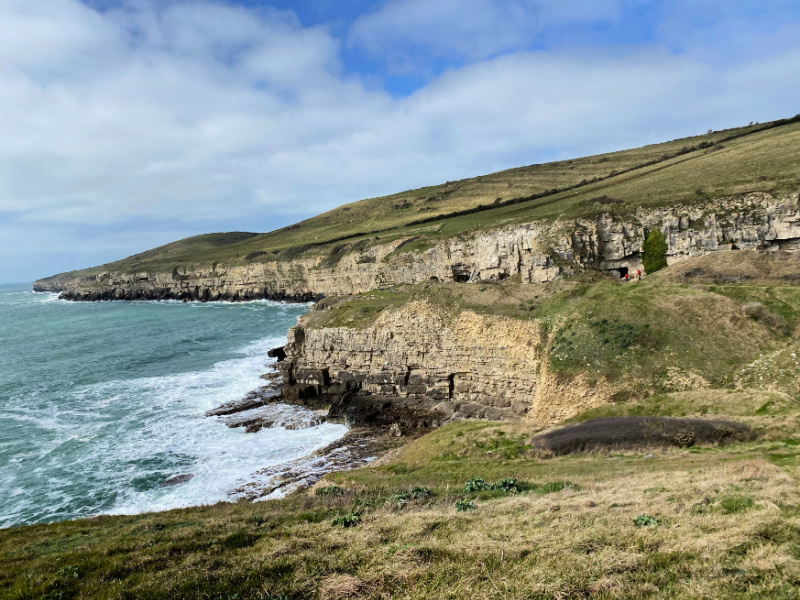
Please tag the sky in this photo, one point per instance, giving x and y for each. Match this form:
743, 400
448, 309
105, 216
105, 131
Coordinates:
127, 124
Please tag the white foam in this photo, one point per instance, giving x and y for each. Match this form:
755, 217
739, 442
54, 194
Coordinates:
119, 432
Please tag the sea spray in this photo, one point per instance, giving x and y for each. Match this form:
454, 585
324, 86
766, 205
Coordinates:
102, 404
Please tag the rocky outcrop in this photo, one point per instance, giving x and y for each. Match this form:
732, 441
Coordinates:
419, 366
534, 252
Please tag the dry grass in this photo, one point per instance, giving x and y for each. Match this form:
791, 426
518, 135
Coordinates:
727, 524
742, 266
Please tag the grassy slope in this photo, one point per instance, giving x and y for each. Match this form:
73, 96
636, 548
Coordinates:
729, 526
725, 163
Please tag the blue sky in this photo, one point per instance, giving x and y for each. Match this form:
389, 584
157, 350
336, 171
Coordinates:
129, 124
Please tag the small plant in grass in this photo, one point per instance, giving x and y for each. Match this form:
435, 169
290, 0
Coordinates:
554, 486
71, 572
464, 505
258, 520
475, 484
654, 252
509, 485
350, 519
646, 521
330, 490
400, 499
730, 505
420, 492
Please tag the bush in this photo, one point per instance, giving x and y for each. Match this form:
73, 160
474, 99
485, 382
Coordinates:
509, 485
654, 252
758, 312
639, 432
331, 490
465, 505
420, 493
646, 521
347, 520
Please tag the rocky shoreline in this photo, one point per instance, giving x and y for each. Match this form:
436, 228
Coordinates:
265, 408
187, 295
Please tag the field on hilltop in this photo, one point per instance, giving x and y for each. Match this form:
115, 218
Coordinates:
730, 163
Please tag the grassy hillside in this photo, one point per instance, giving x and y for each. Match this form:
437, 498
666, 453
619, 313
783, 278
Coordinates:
758, 158
710, 522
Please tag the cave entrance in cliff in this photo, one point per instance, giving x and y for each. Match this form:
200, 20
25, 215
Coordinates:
622, 271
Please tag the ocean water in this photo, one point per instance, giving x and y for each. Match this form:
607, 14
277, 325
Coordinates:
100, 403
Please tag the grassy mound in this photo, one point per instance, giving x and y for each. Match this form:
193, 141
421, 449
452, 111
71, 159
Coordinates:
616, 433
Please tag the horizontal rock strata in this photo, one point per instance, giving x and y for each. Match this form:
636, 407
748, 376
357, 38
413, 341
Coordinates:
420, 367
535, 252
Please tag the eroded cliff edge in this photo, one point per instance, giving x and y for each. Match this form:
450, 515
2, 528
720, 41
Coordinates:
533, 252
422, 355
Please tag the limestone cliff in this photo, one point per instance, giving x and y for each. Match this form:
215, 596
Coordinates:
536, 252
420, 366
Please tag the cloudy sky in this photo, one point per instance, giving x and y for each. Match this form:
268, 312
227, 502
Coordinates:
126, 124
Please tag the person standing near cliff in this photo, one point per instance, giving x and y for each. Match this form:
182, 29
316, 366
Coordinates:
638, 274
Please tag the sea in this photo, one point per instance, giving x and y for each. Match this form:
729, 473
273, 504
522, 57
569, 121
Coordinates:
101, 403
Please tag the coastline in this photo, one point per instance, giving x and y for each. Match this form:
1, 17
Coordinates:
265, 408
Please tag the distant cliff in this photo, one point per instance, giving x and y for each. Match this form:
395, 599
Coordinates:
532, 252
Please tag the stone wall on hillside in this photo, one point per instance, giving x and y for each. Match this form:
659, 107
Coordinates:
535, 252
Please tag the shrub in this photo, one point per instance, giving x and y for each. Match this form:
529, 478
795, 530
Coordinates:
476, 484
509, 485
347, 520
654, 252
638, 432
330, 490
420, 493
465, 505
400, 499
646, 521
758, 312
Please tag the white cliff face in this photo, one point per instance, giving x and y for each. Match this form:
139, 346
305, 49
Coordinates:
535, 252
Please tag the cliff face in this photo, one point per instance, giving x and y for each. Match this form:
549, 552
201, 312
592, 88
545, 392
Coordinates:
536, 252
420, 367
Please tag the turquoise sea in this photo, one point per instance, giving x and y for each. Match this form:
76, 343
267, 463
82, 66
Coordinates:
100, 403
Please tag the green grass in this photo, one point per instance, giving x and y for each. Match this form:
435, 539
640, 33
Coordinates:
761, 158
716, 525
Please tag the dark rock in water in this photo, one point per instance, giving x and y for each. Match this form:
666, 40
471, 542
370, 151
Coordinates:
261, 397
177, 479
278, 353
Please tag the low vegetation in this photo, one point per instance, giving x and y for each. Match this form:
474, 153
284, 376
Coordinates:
623, 433
716, 522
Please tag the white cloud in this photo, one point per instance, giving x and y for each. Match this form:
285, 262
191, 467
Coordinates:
155, 121
407, 32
